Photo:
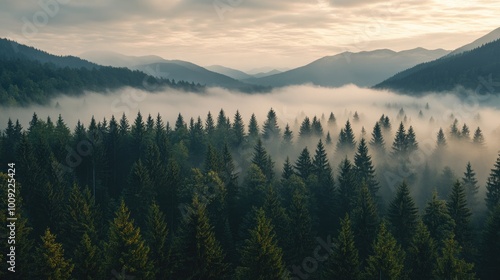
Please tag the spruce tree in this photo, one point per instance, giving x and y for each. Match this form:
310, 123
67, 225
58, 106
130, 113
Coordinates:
438, 220
377, 142
441, 140
271, 130
140, 192
490, 247
303, 165
300, 226
364, 169
87, 259
450, 265
196, 252
156, 237
346, 143
287, 171
125, 252
287, 139
364, 222
262, 160
469, 182
422, 254
493, 186
403, 215
261, 257
278, 217
387, 260
478, 138
344, 263
399, 144
460, 213
253, 129
238, 130
305, 130
50, 262
348, 188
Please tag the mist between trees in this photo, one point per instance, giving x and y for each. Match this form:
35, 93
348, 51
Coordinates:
254, 180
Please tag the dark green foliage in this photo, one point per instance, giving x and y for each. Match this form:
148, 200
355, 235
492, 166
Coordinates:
403, 215
460, 213
493, 186
450, 265
490, 246
300, 227
346, 143
271, 130
365, 222
469, 182
50, 262
364, 169
387, 259
287, 169
438, 220
253, 129
344, 263
377, 142
348, 189
125, 250
303, 165
422, 254
305, 130
88, 260
238, 130
261, 257
196, 252
156, 237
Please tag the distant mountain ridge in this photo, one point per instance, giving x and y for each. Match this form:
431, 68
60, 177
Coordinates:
362, 69
488, 38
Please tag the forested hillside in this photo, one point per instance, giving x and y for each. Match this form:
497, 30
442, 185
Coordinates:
445, 74
214, 198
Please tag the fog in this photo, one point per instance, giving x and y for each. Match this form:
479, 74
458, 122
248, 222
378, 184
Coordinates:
292, 104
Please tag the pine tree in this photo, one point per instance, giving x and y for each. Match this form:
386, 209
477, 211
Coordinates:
365, 222
278, 217
261, 257
364, 170
139, 192
125, 251
238, 130
262, 160
403, 215
493, 186
328, 139
377, 142
287, 139
441, 140
156, 237
316, 128
387, 260
399, 144
271, 130
438, 220
411, 141
460, 213
287, 170
300, 225
50, 262
422, 254
344, 263
303, 165
332, 122
209, 125
478, 138
253, 129
346, 143
87, 260
305, 130
465, 134
469, 182
196, 252
449, 265
490, 246
348, 188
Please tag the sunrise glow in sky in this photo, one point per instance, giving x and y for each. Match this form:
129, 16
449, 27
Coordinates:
245, 34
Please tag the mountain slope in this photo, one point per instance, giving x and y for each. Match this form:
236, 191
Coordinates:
488, 38
233, 73
464, 69
114, 59
13, 50
362, 69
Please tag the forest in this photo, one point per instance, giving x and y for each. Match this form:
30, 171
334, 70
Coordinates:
140, 197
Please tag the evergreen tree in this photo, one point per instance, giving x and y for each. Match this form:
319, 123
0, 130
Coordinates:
303, 165
460, 213
125, 251
364, 170
490, 246
50, 262
403, 215
344, 263
348, 188
238, 130
411, 141
377, 142
332, 122
399, 144
262, 160
365, 222
449, 265
261, 257
493, 186
87, 260
441, 140
328, 139
469, 182
305, 130
253, 129
438, 220
196, 252
139, 192
465, 134
422, 254
287, 169
346, 143
271, 130
209, 125
316, 128
156, 237
387, 260
278, 217
478, 138
287, 139
300, 226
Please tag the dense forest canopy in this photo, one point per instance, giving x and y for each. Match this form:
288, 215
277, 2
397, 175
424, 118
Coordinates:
225, 196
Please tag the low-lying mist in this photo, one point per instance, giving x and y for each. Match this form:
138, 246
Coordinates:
292, 104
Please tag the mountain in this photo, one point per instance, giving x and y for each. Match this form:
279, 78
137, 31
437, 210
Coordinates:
13, 50
475, 69
490, 37
362, 69
233, 73
172, 70
28, 76
268, 73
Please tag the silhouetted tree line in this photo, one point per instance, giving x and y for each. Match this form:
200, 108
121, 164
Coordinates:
205, 199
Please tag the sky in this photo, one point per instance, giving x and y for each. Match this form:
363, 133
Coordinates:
245, 34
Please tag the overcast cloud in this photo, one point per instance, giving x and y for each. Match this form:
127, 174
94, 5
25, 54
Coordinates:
240, 33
